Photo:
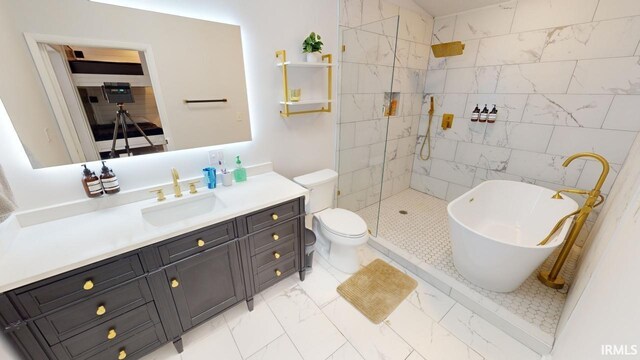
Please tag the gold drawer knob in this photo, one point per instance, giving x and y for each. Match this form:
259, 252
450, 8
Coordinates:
101, 310
275, 237
175, 283
122, 355
276, 255
111, 334
274, 216
200, 242
278, 272
88, 285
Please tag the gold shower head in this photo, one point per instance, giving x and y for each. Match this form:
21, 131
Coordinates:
447, 49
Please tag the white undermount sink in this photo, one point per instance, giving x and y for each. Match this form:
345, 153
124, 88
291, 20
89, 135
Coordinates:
186, 207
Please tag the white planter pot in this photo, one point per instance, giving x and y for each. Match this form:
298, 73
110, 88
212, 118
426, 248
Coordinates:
314, 57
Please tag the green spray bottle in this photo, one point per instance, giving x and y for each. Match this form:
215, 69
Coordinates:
240, 173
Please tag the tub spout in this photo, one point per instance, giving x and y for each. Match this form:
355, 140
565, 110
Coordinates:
552, 278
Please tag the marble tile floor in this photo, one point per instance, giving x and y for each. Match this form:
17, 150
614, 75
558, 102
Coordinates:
420, 241
308, 320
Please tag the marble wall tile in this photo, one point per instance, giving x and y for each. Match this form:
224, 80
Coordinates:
435, 81
413, 26
406, 146
345, 181
370, 132
545, 167
374, 78
443, 28
347, 136
484, 175
356, 107
567, 110
454, 191
367, 177
611, 9
591, 173
468, 57
462, 130
354, 159
354, 201
623, 114
518, 48
542, 14
603, 39
428, 185
348, 78
472, 80
607, 76
552, 77
376, 154
399, 127
510, 107
386, 27
419, 56
441, 148
402, 52
513, 135
612, 144
376, 10
485, 22
453, 172
483, 156
386, 50
447, 103
350, 13
362, 46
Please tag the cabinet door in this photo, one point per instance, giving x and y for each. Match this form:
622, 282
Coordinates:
205, 284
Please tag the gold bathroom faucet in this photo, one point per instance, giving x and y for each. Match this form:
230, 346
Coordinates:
552, 278
176, 185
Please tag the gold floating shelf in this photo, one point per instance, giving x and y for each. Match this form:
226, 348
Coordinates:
286, 103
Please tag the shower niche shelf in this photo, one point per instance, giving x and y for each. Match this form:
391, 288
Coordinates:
391, 104
324, 104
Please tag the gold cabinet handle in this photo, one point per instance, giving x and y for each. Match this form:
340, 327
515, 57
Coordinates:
88, 285
175, 283
200, 242
122, 355
101, 310
278, 272
276, 255
111, 334
275, 237
274, 216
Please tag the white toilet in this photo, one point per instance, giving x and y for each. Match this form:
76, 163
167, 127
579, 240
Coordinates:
339, 232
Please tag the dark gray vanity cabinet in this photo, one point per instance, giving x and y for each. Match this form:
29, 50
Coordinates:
127, 306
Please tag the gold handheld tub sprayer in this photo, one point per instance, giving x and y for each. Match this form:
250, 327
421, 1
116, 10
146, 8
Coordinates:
552, 278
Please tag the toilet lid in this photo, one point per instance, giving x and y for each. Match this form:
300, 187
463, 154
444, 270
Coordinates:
343, 222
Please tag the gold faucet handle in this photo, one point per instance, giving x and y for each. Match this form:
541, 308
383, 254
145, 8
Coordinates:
192, 187
159, 193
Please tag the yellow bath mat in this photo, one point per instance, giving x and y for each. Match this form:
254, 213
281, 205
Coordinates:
377, 289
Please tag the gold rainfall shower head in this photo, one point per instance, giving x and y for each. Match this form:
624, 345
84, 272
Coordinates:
447, 49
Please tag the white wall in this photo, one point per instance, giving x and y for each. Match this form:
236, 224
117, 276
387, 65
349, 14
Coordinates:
602, 306
296, 145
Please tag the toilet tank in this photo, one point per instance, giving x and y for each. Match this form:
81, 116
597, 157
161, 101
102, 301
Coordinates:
322, 186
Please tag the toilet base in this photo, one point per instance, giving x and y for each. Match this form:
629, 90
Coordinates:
344, 258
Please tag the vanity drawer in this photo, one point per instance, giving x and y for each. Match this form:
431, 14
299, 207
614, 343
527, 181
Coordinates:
268, 276
266, 258
267, 239
195, 242
94, 340
274, 215
51, 294
77, 318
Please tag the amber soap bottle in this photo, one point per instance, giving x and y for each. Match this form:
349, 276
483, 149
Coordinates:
91, 183
109, 180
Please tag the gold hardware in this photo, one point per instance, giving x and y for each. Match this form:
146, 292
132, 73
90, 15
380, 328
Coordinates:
274, 216
278, 272
275, 237
200, 242
159, 193
88, 285
176, 185
552, 278
338, 192
174, 283
122, 355
327, 59
192, 187
344, 48
453, 48
101, 310
447, 121
276, 255
111, 334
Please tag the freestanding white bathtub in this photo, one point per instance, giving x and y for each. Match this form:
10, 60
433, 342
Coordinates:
496, 226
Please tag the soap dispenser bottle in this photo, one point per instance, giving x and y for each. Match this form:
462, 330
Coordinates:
91, 183
475, 115
493, 115
240, 173
484, 115
109, 180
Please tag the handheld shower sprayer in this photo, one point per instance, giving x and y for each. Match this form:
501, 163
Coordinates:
427, 135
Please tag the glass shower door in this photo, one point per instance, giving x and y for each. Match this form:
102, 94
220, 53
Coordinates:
367, 101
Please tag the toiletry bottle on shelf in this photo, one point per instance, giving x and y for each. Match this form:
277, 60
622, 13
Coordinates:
493, 115
240, 173
484, 114
109, 180
475, 115
91, 183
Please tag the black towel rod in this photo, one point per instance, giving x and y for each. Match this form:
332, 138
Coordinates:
204, 101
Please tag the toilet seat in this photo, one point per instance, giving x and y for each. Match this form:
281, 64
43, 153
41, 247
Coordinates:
343, 223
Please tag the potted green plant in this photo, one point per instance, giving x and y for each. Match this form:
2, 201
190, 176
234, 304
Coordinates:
312, 46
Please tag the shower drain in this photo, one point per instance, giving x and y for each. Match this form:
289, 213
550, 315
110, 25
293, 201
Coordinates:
403, 212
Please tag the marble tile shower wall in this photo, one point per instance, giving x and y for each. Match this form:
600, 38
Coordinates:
565, 75
368, 30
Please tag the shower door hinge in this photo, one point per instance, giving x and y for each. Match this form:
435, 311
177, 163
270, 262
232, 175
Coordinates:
338, 192
344, 48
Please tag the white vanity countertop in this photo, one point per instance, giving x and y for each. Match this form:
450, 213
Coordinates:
33, 253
